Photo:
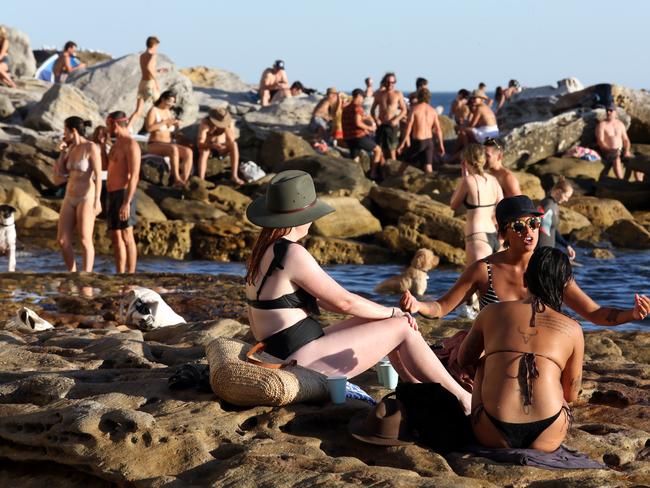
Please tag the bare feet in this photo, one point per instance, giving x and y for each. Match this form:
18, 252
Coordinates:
237, 181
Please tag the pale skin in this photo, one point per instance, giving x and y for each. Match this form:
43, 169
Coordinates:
369, 91
353, 346
611, 135
388, 107
123, 173
460, 111
562, 197
481, 115
64, 65
74, 148
222, 140
324, 110
367, 123
507, 180
508, 269
273, 79
506, 326
148, 61
479, 220
160, 141
4, 69
422, 123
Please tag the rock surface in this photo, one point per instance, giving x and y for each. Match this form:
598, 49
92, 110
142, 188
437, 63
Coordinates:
21, 59
290, 115
60, 102
350, 219
332, 175
600, 211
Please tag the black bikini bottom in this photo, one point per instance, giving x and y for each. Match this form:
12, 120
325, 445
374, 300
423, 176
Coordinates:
284, 343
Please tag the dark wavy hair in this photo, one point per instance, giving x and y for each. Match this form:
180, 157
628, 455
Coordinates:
548, 272
166, 95
78, 124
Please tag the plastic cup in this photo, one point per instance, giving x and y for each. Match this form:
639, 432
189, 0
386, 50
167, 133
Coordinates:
380, 372
388, 375
336, 385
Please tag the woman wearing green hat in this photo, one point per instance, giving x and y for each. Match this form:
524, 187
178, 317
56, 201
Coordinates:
285, 287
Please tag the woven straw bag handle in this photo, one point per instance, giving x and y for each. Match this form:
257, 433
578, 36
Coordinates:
259, 347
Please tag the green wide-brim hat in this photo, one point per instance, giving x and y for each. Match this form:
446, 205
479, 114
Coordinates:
290, 201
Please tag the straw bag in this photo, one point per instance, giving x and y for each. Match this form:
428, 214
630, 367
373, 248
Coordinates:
240, 379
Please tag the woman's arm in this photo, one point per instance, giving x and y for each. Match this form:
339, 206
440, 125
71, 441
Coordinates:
151, 124
58, 170
460, 192
96, 161
572, 374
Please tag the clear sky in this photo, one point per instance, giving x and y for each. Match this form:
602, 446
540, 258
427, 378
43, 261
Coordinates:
453, 43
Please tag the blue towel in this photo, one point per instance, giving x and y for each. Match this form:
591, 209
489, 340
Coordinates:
353, 392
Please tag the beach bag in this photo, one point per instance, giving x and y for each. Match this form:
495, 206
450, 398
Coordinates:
244, 375
250, 171
145, 309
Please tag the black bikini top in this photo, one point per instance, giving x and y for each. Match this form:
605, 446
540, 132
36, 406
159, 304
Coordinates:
298, 299
469, 206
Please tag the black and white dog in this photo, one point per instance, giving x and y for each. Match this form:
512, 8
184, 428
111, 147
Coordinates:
8, 234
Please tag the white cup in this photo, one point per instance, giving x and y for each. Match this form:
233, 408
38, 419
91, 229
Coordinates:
336, 385
387, 375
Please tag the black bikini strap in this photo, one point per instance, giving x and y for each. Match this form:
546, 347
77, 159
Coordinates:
489, 270
279, 252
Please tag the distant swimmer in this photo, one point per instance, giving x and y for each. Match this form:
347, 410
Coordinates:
148, 88
63, 66
391, 108
612, 140
274, 84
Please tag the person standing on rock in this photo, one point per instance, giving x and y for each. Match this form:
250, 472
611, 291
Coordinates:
494, 164
422, 123
482, 87
217, 134
500, 277
274, 82
420, 83
549, 234
285, 287
122, 183
321, 117
5, 77
459, 109
64, 63
388, 109
357, 127
611, 137
80, 165
148, 88
369, 90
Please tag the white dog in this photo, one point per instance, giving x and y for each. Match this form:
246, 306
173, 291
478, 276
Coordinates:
8, 234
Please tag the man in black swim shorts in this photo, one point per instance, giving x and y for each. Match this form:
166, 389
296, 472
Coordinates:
391, 109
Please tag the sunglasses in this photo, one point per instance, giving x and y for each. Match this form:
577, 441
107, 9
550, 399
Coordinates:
491, 141
519, 226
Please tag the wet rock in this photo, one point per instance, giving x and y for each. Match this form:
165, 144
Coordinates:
634, 195
60, 102
599, 253
21, 59
350, 219
189, 210
629, 234
601, 212
330, 250
279, 147
337, 176
571, 220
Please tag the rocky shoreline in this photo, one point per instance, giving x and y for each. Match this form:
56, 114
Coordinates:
87, 403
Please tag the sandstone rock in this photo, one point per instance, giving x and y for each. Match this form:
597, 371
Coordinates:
629, 234
447, 125
278, 147
189, 210
567, 167
155, 170
197, 189
636, 104
571, 220
291, 114
330, 250
395, 203
23, 202
436, 226
6, 107
602, 212
634, 195
530, 185
225, 239
170, 238
599, 347
105, 84
60, 102
228, 199
405, 241
147, 209
336, 176
43, 213
351, 219
599, 253
590, 236
205, 77
21, 59
23, 159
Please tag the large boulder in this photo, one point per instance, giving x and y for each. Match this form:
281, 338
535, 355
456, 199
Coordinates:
113, 85
205, 77
42, 212
634, 195
330, 250
530, 185
436, 226
169, 238
6, 107
189, 210
58, 103
227, 238
22, 201
351, 219
571, 220
602, 212
394, 203
21, 59
447, 125
405, 241
8, 181
215, 87
282, 146
24, 159
567, 167
338, 176
147, 209
291, 114
629, 234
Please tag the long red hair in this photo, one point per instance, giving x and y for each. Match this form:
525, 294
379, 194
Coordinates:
266, 237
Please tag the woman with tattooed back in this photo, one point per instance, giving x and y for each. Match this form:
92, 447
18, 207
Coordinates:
532, 364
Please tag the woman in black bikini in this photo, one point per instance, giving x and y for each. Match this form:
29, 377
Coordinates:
481, 238
499, 277
285, 287
532, 364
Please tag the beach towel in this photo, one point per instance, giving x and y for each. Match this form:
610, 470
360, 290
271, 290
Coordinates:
562, 458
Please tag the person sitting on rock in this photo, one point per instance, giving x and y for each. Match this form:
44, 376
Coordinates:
357, 127
274, 84
500, 277
321, 117
482, 121
513, 89
494, 164
459, 109
80, 164
148, 88
5, 77
532, 365
217, 135
285, 287
297, 89
161, 124
63, 66
612, 139
549, 234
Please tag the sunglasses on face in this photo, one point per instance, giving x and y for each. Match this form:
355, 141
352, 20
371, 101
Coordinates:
519, 226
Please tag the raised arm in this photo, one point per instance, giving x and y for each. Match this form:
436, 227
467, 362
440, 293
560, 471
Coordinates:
572, 374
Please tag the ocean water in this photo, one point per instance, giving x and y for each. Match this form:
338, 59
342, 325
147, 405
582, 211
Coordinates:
609, 282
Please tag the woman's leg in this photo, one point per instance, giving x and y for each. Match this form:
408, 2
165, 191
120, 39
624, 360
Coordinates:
169, 150
353, 349
186, 162
65, 231
476, 247
204, 154
85, 225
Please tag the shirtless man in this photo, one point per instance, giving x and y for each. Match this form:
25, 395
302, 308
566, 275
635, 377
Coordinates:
493, 163
459, 109
422, 123
274, 81
122, 183
611, 137
63, 65
391, 109
482, 87
413, 96
482, 122
148, 88
321, 117
513, 88
217, 133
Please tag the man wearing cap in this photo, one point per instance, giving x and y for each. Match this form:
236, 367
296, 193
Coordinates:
611, 138
217, 133
322, 115
274, 81
482, 121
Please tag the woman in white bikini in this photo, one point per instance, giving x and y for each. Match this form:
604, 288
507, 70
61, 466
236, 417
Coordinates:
79, 164
161, 124
481, 237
